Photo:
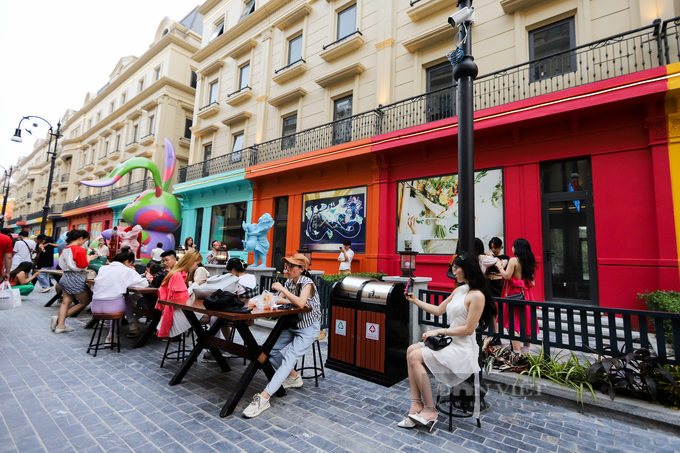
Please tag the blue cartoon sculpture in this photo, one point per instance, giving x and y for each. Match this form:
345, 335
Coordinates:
256, 239
155, 210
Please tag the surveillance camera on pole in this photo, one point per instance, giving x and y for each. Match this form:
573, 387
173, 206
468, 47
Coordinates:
461, 16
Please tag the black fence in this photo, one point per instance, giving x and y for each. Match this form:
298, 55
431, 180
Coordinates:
34, 215
134, 188
325, 289
577, 327
217, 165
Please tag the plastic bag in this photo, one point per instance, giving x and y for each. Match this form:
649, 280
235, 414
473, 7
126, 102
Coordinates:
10, 298
266, 300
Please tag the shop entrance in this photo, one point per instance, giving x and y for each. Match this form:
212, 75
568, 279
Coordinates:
569, 232
280, 232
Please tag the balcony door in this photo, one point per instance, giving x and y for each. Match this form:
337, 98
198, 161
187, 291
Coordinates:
440, 101
280, 232
569, 232
342, 126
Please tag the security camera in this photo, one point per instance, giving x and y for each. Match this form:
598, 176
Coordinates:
466, 14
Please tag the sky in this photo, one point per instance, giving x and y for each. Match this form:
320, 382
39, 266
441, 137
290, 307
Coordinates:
57, 51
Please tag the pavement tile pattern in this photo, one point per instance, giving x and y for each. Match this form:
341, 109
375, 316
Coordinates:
55, 397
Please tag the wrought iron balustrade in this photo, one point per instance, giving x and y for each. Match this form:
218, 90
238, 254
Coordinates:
221, 164
114, 193
582, 328
34, 215
56, 208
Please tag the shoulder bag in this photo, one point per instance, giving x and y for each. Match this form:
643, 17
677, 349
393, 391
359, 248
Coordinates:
438, 342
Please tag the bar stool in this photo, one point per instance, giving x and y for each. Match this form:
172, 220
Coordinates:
181, 352
318, 370
99, 319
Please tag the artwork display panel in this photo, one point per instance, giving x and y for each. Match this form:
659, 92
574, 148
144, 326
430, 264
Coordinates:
331, 217
427, 212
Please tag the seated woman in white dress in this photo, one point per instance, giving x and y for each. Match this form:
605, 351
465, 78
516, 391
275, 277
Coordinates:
468, 306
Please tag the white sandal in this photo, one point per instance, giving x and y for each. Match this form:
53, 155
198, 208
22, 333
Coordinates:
407, 422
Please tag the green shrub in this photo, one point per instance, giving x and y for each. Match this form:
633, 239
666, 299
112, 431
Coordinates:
669, 394
332, 278
666, 301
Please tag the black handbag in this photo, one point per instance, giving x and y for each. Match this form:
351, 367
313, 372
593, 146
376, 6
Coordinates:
225, 301
438, 342
518, 296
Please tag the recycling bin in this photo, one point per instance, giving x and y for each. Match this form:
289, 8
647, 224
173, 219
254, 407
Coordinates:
368, 332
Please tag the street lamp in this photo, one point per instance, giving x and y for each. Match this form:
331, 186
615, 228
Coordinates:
57, 135
464, 72
8, 178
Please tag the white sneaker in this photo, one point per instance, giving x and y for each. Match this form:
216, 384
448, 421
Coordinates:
107, 342
64, 330
46, 290
255, 408
292, 383
53, 324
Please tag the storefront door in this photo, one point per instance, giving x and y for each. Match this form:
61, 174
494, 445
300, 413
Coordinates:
280, 232
569, 232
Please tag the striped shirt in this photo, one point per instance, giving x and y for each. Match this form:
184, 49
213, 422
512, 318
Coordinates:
306, 319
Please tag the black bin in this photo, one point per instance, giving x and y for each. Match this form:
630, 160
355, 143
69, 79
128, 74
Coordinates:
369, 330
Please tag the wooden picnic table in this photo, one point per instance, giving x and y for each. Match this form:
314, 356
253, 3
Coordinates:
251, 350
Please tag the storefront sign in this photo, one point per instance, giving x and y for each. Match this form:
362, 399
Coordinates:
329, 218
428, 211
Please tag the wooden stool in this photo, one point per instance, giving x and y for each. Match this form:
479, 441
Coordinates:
181, 352
318, 370
99, 319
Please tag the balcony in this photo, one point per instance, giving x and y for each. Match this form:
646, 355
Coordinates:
342, 46
293, 70
146, 140
208, 110
131, 147
102, 160
615, 56
114, 193
80, 171
240, 96
56, 210
114, 155
89, 167
34, 215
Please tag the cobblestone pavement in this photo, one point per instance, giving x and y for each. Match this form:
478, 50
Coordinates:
55, 397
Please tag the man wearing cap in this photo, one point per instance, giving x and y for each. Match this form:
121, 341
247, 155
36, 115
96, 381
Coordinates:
299, 290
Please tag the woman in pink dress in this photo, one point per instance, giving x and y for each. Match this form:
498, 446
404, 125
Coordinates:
519, 278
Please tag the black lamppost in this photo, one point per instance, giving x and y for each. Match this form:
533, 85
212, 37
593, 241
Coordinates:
8, 177
57, 136
464, 72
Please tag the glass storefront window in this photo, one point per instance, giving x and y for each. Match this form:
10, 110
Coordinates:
226, 224
566, 176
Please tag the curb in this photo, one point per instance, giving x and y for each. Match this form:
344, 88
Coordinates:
629, 410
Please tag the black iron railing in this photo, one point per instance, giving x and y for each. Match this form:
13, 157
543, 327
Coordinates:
145, 137
103, 158
238, 91
56, 209
209, 105
134, 188
626, 53
221, 164
342, 39
34, 215
289, 65
325, 290
134, 142
577, 327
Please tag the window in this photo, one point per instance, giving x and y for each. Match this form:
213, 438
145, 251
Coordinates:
441, 102
244, 76
226, 223
117, 142
219, 29
236, 149
289, 128
199, 227
106, 148
347, 19
89, 124
207, 154
99, 116
550, 40
122, 98
188, 122
247, 10
213, 92
193, 82
135, 130
295, 49
342, 126
157, 73
112, 106
141, 85
152, 119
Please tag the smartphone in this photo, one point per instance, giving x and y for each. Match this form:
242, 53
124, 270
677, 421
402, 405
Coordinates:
409, 286
342, 248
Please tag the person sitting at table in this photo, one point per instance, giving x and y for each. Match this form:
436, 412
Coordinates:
147, 273
199, 276
20, 280
299, 290
174, 287
247, 288
168, 261
73, 261
110, 289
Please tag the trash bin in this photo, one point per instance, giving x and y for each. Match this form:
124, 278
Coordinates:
369, 330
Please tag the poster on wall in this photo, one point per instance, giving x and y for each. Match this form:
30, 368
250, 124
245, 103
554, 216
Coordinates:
332, 217
427, 211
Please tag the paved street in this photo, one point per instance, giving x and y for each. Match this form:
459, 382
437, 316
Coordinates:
55, 397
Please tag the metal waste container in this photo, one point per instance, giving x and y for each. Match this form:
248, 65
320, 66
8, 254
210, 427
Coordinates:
369, 330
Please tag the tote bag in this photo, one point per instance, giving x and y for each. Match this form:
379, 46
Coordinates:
9, 298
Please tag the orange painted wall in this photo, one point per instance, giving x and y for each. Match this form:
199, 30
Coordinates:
352, 169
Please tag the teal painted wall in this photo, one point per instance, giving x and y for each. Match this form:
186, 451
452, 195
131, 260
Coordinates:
206, 194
